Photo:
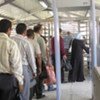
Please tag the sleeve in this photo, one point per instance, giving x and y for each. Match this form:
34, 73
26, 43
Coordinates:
31, 57
62, 46
52, 46
37, 49
42, 47
85, 48
16, 63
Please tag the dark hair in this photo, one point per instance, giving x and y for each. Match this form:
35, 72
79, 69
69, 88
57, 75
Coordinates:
5, 25
30, 33
37, 28
60, 30
20, 28
68, 33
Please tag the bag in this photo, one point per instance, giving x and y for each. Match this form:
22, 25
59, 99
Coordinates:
70, 50
66, 64
18, 97
51, 75
70, 46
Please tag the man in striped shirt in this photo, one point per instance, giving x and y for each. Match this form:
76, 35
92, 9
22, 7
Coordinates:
10, 63
27, 56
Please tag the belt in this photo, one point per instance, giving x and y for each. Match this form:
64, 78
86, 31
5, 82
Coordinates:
5, 74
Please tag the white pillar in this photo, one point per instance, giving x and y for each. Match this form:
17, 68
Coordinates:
57, 48
93, 34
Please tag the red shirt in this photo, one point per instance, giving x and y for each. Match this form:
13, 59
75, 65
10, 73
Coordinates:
62, 50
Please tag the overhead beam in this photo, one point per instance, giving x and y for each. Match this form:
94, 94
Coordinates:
74, 18
97, 6
86, 13
63, 19
73, 8
75, 14
25, 10
6, 2
10, 18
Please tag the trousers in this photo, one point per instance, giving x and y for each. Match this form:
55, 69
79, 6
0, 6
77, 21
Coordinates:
8, 87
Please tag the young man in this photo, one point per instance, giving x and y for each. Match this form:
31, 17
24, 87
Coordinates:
62, 54
37, 52
10, 63
42, 45
36, 49
27, 56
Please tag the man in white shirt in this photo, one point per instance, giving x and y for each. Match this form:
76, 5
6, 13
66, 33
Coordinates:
10, 63
36, 48
37, 52
28, 60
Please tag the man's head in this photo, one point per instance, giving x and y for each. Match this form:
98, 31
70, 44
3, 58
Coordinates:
21, 28
38, 29
30, 33
5, 26
60, 30
68, 33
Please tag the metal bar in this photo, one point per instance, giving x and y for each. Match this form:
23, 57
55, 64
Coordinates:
86, 13
31, 22
74, 8
75, 14
98, 30
79, 26
24, 10
93, 34
6, 2
97, 6
57, 49
6, 17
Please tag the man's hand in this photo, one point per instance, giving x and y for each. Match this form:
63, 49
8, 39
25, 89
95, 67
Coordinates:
21, 88
34, 75
39, 71
65, 57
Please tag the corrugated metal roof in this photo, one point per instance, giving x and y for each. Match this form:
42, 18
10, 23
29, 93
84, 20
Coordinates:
25, 10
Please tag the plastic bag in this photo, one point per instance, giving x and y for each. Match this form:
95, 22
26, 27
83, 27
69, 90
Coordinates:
66, 64
51, 75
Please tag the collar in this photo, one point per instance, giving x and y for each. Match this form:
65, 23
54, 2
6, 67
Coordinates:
3, 34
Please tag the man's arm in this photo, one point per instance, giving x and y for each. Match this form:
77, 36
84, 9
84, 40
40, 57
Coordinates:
38, 57
31, 58
16, 64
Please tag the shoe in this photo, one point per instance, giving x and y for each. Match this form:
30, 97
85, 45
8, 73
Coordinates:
64, 82
41, 96
51, 88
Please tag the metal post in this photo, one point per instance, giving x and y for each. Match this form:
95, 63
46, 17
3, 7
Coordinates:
79, 26
57, 50
98, 28
49, 45
93, 38
93, 34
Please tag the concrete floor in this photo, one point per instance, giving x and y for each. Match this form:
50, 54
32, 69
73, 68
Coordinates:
72, 91
77, 91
